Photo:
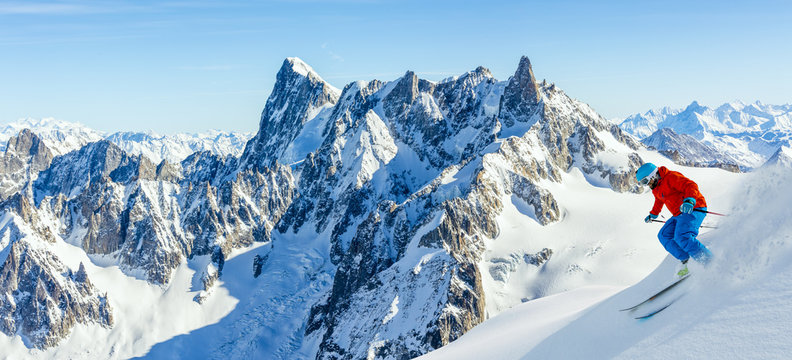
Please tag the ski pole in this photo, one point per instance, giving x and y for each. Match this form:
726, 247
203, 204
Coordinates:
710, 212
702, 226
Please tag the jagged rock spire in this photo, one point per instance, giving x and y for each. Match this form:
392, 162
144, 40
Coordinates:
520, 96
524, 83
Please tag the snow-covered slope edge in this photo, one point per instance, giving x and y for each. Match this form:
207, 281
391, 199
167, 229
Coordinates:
738, 307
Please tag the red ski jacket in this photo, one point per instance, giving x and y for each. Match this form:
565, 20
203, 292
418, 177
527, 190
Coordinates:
672, 189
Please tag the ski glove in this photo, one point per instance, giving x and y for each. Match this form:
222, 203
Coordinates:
649, 218
687, 205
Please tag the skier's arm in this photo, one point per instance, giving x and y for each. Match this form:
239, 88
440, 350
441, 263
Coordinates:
658, 205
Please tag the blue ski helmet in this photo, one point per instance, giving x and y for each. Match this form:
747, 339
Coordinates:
645, 171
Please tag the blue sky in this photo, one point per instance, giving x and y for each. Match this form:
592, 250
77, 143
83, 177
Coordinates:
197, 65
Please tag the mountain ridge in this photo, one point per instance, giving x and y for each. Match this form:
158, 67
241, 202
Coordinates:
384, 188
63, 136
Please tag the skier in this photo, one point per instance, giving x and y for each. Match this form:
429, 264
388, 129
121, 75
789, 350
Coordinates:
682, 198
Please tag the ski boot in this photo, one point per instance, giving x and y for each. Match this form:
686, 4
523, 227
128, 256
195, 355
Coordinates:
683, 270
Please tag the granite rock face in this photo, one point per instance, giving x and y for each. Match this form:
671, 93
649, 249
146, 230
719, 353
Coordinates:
40, 297
300, 96
24, 157
380, 184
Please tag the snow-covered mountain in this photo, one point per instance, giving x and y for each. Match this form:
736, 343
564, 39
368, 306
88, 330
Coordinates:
177, 147
62, 137
735, 308
782, 158
749, 133
383, 220
684, 149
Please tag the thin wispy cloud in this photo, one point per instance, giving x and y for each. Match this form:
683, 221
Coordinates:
332, 54
102, 7
44, 9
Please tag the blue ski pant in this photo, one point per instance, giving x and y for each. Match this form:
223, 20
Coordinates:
678, 235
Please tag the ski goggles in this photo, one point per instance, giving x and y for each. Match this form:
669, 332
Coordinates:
646, 180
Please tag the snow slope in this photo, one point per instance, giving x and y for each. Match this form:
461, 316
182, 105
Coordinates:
738, 307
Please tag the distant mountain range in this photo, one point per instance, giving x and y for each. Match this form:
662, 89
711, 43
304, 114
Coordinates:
747, 134
684, 149
62, 137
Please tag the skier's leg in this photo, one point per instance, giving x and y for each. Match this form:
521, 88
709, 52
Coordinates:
666, 236
687, 228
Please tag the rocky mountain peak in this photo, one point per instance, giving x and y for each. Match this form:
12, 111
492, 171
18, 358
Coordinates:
294, 70
525, 81
406, 89
69, 173
25, 155
26, 143
298, 97
521, 96
695, 107
781, 158
29, 147
483, 71
295, 66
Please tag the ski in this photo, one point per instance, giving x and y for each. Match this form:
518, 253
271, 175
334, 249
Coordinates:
653, 313
655, 296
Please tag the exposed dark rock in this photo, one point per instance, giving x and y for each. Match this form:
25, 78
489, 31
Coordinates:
521, 98
37, 301
25, 156
538, 258
258, 263
296, 92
